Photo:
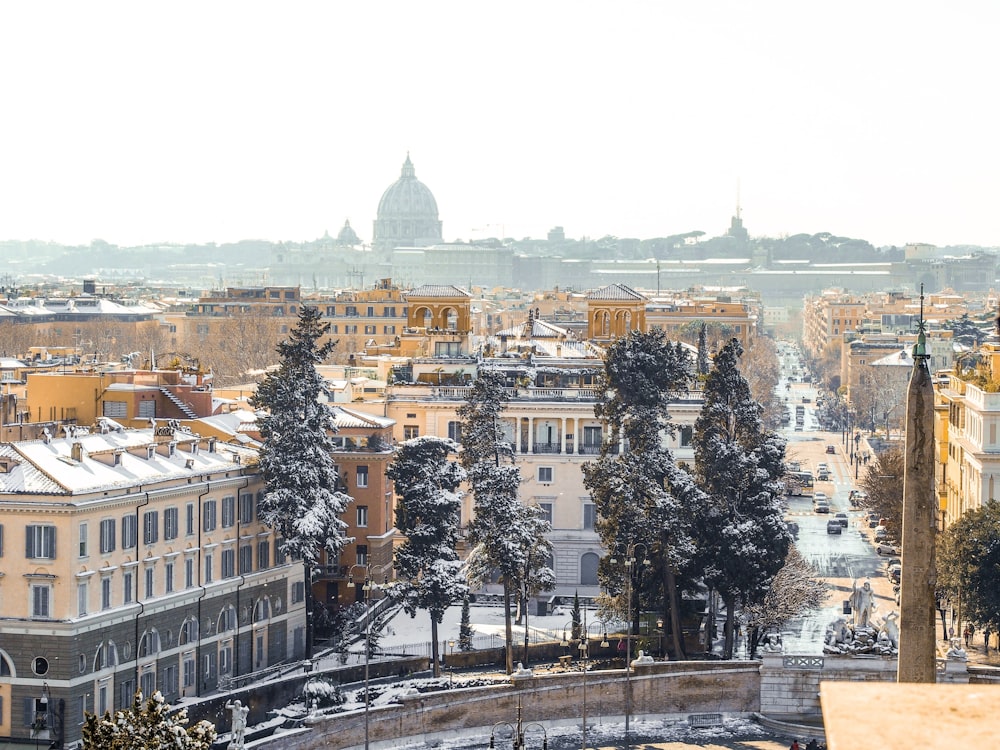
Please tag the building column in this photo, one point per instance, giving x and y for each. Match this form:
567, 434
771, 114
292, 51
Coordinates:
562, 435
531, 433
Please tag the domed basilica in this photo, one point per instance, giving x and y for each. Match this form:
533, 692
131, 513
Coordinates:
407, 214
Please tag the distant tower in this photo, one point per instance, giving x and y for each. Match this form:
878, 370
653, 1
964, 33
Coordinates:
736, 229
407, 214
917, 601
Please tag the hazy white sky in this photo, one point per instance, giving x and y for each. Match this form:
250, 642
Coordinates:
218, 121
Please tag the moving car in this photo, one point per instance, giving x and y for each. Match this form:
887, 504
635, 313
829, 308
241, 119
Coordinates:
831, 449
833, 527
820, 497
823, 507
823, 476
841, 519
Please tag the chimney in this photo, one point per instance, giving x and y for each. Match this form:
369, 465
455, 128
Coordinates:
76, 451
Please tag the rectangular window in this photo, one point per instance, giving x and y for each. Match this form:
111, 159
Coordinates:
40, 542
687, 433
169, 686
246, 559
150, 526
129, 531
589, 515
189, 671
208, 568
189, 573
362, 476
410, 431
362, 516
83, 539
246, 508
546, 509
371, 311
147, 683
350, 329
228, 511
170, 525
149, 583
82, 594
189, 517
115, 409
107, 535
40, 596
544, 473
362, 554
168, 585
592, 436
298, 592
280, 558
263, 555
127, 693
389, 330
455, 431
105, 593
333, 328
147, 409
208, 520
228, 563
127, 587
1, 540
369, 330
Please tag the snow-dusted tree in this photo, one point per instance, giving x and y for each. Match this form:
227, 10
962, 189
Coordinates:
739, 464
703, 363
140, 727
300, 500
501, 532
643, 498
535, 575
428, 514
465, 627
795, 590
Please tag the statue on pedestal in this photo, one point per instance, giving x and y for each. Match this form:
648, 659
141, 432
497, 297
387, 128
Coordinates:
862, 603
239, 728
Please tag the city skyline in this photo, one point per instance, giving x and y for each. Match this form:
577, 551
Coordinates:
185, 123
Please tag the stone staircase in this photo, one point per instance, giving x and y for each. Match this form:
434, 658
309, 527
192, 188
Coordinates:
186, 410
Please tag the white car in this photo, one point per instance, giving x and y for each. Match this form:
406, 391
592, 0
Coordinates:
820, 497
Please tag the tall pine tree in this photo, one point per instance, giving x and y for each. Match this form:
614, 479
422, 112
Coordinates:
643, 498
503, 532
428, 514
296, 460
739, 464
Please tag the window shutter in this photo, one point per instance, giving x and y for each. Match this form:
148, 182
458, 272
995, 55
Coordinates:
29, 711
29, 542
50, 539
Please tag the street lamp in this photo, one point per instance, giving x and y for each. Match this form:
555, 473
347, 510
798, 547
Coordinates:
630, 560
517, 731
367, 590
451, 653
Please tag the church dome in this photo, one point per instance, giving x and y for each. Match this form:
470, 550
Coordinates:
347, 235
407, 213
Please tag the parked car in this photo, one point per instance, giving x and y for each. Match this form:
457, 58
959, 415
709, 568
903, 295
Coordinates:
892, 561
881, 534
886, 548
841, 519
831, 449
833, 527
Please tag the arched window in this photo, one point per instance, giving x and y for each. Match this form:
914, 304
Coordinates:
262, 610
149, 644
227, 619
189, 631
588, 569
5, 667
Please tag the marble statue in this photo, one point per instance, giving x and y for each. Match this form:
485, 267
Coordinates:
239, 729
862, 604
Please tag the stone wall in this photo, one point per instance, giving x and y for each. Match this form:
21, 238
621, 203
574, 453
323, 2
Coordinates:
661, 689
790, 685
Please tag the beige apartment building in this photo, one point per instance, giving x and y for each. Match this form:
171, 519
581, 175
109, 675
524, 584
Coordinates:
134, 559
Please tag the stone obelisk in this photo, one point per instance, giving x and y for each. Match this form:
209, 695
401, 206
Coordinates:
917, 645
